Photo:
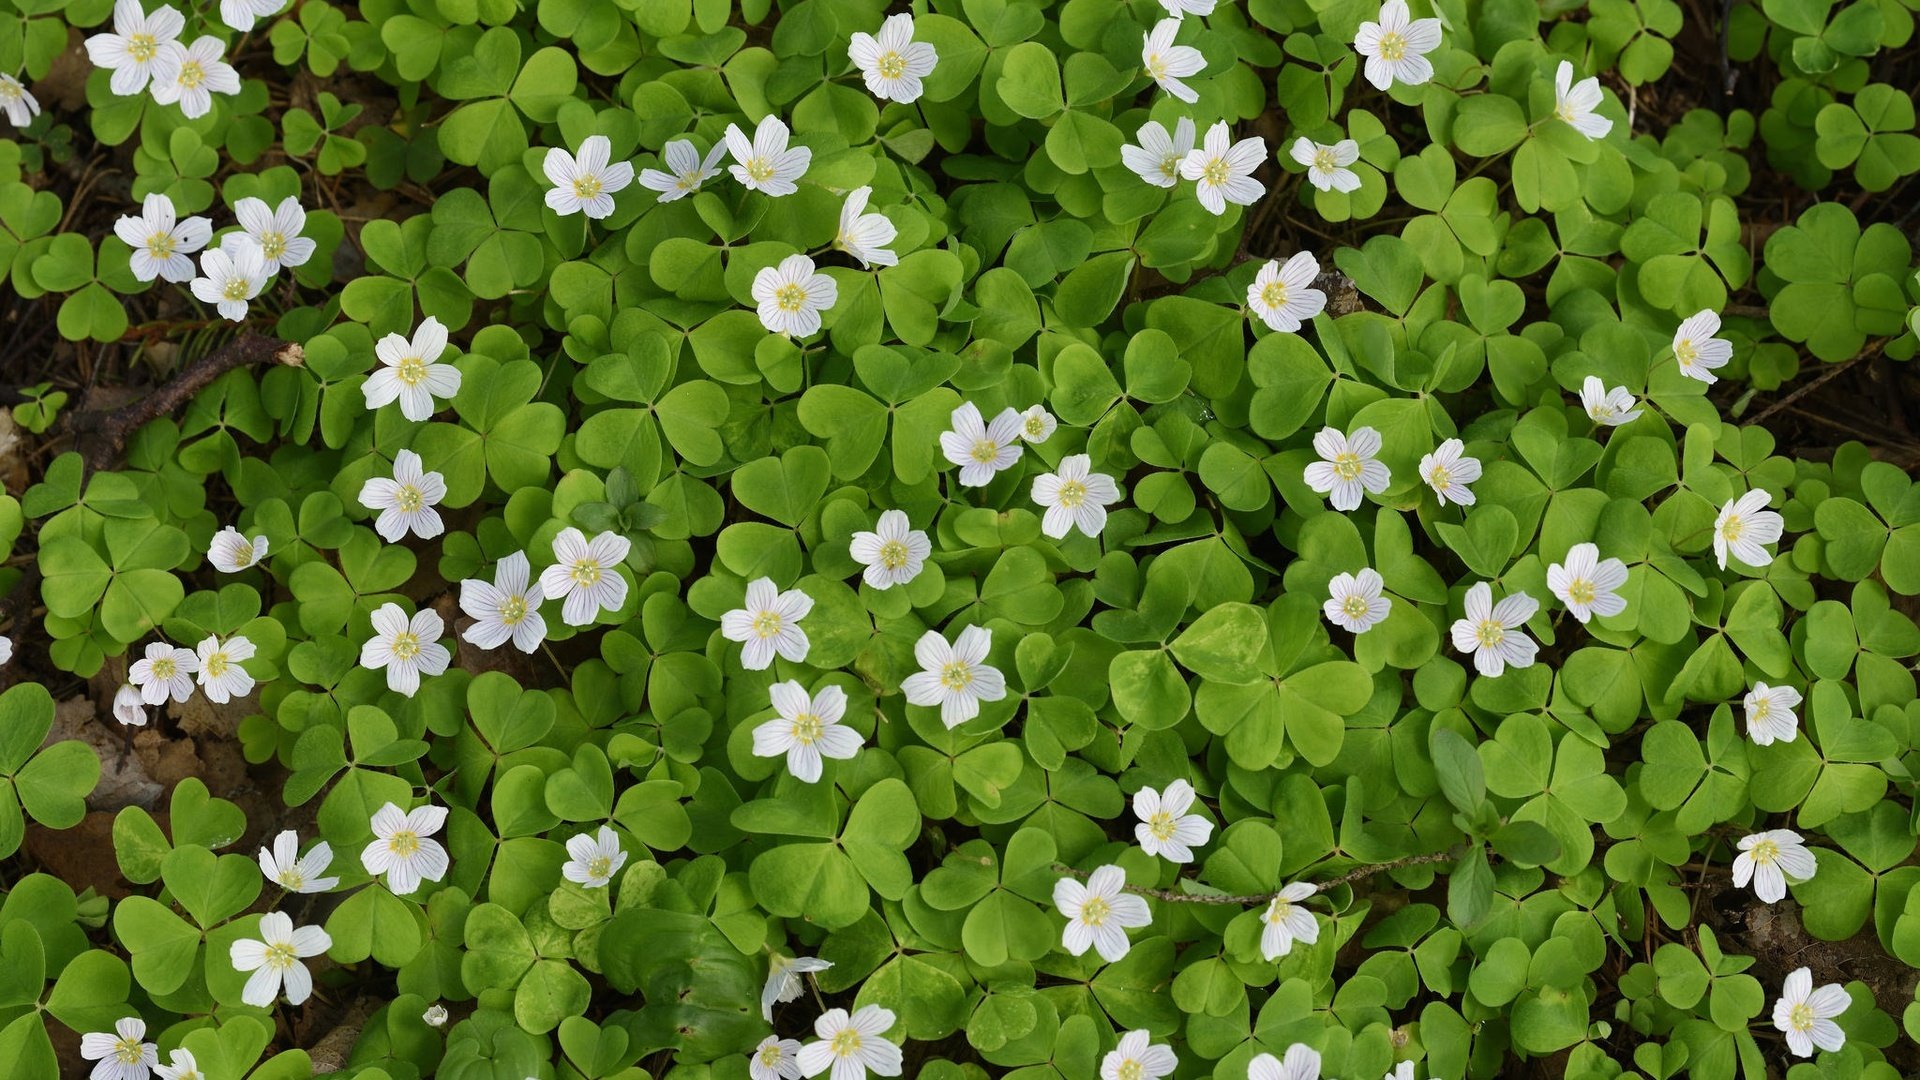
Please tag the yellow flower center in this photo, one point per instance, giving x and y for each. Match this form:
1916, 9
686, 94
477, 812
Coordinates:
1095, 911
600, 866
513, 609
985, 451
1581, 591
1440, 478
192, 74
1731, 528
127, 1051
142, 47
1564, 111
215, 665
894, 555
1170, 166
1762, 708
280, 955
405, 843
759, 170
412, 370
1686, 352
955, 675
160, 245
1131, 1070
1347, 465
585, 572
770, 1055
846, 1041
10, 90
1489, 633
236, 288
1156, 67
1161, 825
409, 499
1800, 1017
292, 879
273, 244
587, 187
1215, 173
1274, 295
790, 297
1765, 853
1278, 911
406, 646
163, 669
1323, 159
891, 65
1072, 494
766, 624
807, 728
1392, 46
1354, 606
1035, 426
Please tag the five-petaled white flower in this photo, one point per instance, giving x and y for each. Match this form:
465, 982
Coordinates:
406, 501
1137, 1056
1770, 715
1348, 467
865, 236
1222, 170
1167, 63
1396, 46
1744, 528
17, 101
161, 243
893, 552
406, 648
192, 75
1807, 1014
181, 1066
1448, 471
852, 1046
586, 573
1158, 158
1037, 425
792, 295
685, 170
767, 164
1697, 351
409, 372
1282, 294
1302, 1062
585, 184
783, 980
891, 62
981, 449
1770, 860
220, 673
506, 610
1099, 913
1354, 601
277, 230
1285, 921
128, 708
1588, 584
955, 677
275, 959
1182, 8
1165, 828
1574, 103
1610, 407
1075, 497
231, 551
806, 729
230, 276
1493, 632
775, 1059
241, 14
123, 1055
294, 872
768, 623
593, 859
132, 52
1327, 165
403, 848
166, 671
435, 1016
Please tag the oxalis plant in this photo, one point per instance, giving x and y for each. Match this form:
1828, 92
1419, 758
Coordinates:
1133, 539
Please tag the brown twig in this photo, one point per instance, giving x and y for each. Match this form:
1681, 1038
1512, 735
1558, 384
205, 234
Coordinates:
1825, 377
1262, 898
106, 432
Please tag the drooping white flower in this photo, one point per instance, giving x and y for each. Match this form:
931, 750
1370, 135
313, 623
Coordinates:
161, 244
132, 52
1327, 165
230, 276
1588, 584
865, 236
165, 671
1158, 157
277, 230
1099, 913
981, 449
1697, 351
1744, 528
955, 677
1806, 1014
586, 573
275, 960
409, 372
806, 729
231, 552
1222, 170
1182, 8
406, 502
893, 553
241, 14
181, 1066
1354, 601
1037, 425
192, 75
685, 170
767, 164
403, 847
123, 1055
294, 872
1494, 633
128, 707
220, 673
1167, 63
1302, 1062
792, 295
17, 101
891, 62
1348, 467
1448, 471
783, 980
1075, 497
1285, 922
768, 623
435, 1016
1575, 103
852, 1046
1396, 47
1283, 294
1165, 829
1771, 859
1137, 1056
506, 610
586, 183
1770, 715
406, 648
593, 859
1610, 407
6, 649
775, 1059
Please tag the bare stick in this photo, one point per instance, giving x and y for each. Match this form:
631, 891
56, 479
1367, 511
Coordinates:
108, 431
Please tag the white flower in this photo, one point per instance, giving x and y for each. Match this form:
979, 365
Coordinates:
133, 51
1158, 158
229, 277
768, 623
685, 170
275, 959
409, 374
435, 1016
507, 610
403, 849
1137, 1056
182, 1067
1744, 527
955, 677
1575, 102
1301, 1063
1588, 584
792, 295
783, 980
220, 673
1492, 632
1037, 425
1697, 350
592, 860
406, 502
1396, 46
161, 243
1099, 913
862, 235
192, 75
1285, 922
1165, 828
1180, 9
1168, 63
775, 1059
1610, 407
586, 573
1223, 169
17, 102
240, 14
1074, 497
1806, 1014
806, 729
1354, 602
892, 62
767, 164
1327, 165
1770, 714
1769, 859
407, 648
122, 1055
294, 872
231, 551
893, 552
277, 231
1347, 467
1283, 295
1448, 471
981, 449
585, 184
852, 1046
166, 671
128, 708
6, 649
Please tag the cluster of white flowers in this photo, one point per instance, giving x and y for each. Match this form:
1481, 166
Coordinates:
145, 53
230, 275
169, 672
847, 1045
